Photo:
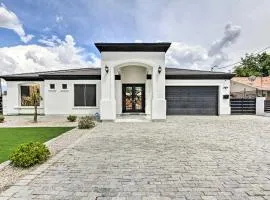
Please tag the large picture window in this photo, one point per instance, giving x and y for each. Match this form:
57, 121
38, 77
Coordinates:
27, 92
84, 95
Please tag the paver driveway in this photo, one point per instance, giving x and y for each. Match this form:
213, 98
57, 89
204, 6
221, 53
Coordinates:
184, 158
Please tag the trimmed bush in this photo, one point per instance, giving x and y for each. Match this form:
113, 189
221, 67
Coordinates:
29, 154
72, 118
86, 122
2, 118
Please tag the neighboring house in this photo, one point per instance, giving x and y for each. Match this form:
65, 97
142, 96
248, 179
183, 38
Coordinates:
132, 78
243, 87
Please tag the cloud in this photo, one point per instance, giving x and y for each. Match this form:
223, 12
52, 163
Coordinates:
59, 18
53, 41
231, 34
9, 20
57, 54
183, 55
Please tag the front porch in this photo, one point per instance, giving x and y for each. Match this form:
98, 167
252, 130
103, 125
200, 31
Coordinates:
132, 81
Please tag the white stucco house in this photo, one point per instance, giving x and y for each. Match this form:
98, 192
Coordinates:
132, 78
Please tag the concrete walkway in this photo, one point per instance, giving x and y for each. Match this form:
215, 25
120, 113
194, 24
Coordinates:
183, 158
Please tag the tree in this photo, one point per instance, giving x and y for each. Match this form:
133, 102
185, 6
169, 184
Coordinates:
34, 100
254, 65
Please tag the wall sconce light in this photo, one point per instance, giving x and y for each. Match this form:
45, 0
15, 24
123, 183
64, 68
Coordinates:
106, 69
159, 69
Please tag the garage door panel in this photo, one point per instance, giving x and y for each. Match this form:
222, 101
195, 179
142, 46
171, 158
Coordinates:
192, 100
190, 111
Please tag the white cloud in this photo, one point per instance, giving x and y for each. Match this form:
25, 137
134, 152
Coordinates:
231, 34
58, 54
59, 18
184, 56
9, 20
53, 41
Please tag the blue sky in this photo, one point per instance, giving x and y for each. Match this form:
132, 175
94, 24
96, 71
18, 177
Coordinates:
41, 35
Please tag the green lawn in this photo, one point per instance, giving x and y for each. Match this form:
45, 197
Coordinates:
10, 138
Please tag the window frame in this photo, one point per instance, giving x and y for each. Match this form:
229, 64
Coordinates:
20, 94
52, 84
64, 84
85, 100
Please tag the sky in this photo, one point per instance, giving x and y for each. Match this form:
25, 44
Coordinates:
60, 34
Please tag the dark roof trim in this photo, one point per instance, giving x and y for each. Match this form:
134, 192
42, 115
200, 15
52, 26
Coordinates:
98, 77
201, 76
22, 78
71, 77
53, 77
128, 47
117, 77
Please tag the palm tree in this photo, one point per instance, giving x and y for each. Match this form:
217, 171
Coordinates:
34, 100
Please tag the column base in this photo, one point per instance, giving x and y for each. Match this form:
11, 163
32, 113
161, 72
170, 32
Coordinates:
107, 110
158, 109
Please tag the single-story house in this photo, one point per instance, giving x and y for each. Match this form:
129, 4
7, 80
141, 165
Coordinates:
132, 78
245, 87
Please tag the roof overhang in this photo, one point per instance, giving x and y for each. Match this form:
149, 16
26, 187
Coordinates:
21, 78
71, 77
201, 76
129, 47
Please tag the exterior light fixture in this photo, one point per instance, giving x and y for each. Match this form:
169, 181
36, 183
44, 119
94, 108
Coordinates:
106, 69
159, 69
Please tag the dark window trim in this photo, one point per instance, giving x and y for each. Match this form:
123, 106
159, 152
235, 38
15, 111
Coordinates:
52, 88
85, 94
133, 110
66, 86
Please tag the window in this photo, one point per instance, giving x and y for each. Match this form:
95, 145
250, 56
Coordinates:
52, 86
26, 92
84, 95
64, 86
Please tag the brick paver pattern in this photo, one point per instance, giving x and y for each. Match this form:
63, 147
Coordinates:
182, 158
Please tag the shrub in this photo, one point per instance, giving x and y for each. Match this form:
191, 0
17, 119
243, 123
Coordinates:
29, 154
72, 118
2, 118
86, 122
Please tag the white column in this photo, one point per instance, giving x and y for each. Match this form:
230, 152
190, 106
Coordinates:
260, 105
107, 102
158, 86
4, 104
118, 96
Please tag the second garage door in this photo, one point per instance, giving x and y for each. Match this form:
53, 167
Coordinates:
192, 100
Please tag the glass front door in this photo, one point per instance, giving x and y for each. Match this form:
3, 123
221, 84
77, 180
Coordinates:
133, 97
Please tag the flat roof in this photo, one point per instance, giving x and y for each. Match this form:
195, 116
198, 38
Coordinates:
128, 47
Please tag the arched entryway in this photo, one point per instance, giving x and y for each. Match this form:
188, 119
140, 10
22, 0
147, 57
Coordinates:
133, 89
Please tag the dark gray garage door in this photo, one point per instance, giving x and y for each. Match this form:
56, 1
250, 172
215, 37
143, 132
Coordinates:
192, 100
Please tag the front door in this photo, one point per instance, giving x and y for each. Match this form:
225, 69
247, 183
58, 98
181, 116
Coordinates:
133, 98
